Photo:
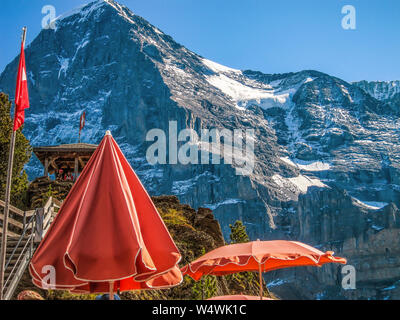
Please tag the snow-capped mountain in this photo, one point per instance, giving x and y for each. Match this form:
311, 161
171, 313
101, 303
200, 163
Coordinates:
386, 91
326, 151
381, 90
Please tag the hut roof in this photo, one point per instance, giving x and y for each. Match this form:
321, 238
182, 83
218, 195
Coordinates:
66, 148
65, 155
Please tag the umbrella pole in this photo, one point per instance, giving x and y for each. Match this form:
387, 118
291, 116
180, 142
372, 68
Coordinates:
260, 275
112, 290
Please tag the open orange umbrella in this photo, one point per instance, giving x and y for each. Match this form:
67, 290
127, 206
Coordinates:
258, 256
108, 234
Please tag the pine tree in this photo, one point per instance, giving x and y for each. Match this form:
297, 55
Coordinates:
205, 288
48, 194
238, 233
22, 155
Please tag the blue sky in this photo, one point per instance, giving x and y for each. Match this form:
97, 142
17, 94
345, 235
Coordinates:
266, 35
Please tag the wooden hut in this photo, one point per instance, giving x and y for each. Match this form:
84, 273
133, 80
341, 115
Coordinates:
66, 157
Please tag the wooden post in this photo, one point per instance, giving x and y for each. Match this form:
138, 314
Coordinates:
39, 219
111, 290
261, 282
76, 169
7, 199
46, 167
81, 162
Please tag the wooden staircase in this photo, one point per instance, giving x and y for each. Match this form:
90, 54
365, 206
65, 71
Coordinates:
18, 253
26, 230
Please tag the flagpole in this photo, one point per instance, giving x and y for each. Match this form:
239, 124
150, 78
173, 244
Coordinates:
7, 198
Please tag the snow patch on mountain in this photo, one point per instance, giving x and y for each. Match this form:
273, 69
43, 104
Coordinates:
64, 65
307, 165
373, 205
218, 68
184, 186
245, 96
300, 183
215, 206
309, 80
84, 10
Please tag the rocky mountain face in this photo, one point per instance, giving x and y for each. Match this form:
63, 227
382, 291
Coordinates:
386, 91
331, 218
326, 152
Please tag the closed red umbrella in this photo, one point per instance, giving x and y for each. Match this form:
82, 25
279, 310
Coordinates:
108, 234
261, 256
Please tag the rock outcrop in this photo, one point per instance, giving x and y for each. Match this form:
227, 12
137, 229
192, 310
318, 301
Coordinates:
41, 189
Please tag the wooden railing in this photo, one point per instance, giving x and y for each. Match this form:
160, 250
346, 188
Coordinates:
34, 225
17, 219
26, 243
44, 217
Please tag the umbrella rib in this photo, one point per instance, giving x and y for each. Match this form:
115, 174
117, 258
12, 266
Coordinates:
76, 219
138, 235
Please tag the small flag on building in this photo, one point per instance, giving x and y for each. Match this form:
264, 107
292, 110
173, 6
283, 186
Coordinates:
82, 124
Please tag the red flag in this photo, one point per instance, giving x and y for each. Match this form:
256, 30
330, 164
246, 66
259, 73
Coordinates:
21, 92
82, 121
